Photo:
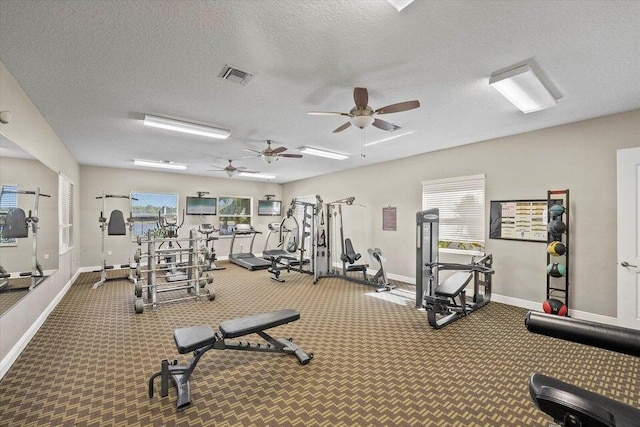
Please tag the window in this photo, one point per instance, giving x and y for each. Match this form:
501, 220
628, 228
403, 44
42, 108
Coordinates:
145, 208
461, 204
65, 212
8, 200
233, 210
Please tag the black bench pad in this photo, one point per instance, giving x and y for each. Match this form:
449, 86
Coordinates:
556, 397
193, 338
258, 322
453, 284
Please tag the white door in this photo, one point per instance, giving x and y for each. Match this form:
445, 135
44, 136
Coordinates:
629, 238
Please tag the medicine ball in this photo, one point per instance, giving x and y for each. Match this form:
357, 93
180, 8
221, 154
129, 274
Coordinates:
554, 306
555, 211
556, 248
555, 269
556, 227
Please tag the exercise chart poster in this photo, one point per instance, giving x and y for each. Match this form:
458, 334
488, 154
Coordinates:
389, 219
519, 220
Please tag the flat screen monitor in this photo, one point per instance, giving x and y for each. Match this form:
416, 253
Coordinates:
270, 207
201, 205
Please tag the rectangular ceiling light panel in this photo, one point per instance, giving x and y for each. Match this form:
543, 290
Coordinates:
161, 164
400, 4
523, 89
257, 175
185, 127
323, 153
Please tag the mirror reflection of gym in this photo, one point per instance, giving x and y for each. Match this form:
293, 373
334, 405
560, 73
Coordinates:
20, 171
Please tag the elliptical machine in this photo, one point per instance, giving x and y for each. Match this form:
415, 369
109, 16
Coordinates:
206, 229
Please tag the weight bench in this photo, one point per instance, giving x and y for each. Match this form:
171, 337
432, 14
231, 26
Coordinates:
448, 301
351, 256
200, 339
566, 403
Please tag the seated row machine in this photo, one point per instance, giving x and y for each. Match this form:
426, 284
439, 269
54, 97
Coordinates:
568, 404
200, 339
448, 301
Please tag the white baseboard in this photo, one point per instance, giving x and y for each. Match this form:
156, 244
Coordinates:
22, 343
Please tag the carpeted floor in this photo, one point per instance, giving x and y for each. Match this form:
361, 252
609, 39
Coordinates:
377, 362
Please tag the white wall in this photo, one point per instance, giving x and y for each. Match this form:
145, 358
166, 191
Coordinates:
580, 157
31, 132
95, 180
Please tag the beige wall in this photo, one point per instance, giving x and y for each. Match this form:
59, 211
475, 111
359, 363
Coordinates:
579, 156
95, 180
31, 132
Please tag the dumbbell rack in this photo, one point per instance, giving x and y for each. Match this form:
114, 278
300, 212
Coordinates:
558, 287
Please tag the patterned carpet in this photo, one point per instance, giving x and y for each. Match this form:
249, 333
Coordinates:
377, 362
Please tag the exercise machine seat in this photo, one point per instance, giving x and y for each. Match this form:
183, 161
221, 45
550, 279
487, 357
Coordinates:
258, 322
193, 338
454, 284
15, 225
349, 253
116, 224
557, 398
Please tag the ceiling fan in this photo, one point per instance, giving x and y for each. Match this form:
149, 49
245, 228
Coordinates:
231, 170
362, 115
271, 155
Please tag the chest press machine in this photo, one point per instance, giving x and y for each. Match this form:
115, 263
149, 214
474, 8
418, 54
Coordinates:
200, 339
447, 301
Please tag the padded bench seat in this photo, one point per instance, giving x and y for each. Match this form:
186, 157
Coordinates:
193, 338
258, 322
453, 284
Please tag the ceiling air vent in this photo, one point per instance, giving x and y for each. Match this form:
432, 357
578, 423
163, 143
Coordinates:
234, 75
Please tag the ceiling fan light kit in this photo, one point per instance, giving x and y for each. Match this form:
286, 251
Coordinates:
323, 153
163, 164
185, 127
522, 87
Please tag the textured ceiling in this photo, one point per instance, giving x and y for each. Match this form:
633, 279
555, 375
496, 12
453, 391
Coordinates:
94, 68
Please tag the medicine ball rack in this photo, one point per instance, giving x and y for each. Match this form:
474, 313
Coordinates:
558, 287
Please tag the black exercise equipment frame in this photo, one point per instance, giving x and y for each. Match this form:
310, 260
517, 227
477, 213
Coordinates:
442, 307
568, 404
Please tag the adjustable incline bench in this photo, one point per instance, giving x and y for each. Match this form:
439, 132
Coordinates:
200, 339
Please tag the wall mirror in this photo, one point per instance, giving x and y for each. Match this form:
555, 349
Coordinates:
22, 172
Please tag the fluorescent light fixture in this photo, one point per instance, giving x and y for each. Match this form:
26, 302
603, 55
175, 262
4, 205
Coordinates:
387, 139
400, 4
185, 127
323, 153
523, 89
164, 164
256, 175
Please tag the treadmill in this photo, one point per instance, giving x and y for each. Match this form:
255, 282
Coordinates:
246, 259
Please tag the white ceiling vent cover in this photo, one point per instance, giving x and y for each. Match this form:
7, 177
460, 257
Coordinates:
234, 75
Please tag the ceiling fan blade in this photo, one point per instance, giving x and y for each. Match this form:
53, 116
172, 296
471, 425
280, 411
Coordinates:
296, 156
241, 168
252, 151
278, 150
361, 97
381, 124
246, 171
217, 167
396, 108
326, 113
343, 127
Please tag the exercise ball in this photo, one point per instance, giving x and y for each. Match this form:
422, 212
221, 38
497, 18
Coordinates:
556, 227
555, 269
554, 306
556, 248
555, 211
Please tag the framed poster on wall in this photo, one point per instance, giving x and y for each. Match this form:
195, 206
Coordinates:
518, 220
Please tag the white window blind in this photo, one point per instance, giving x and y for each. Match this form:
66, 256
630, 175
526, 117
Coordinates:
461, 204
65, 212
